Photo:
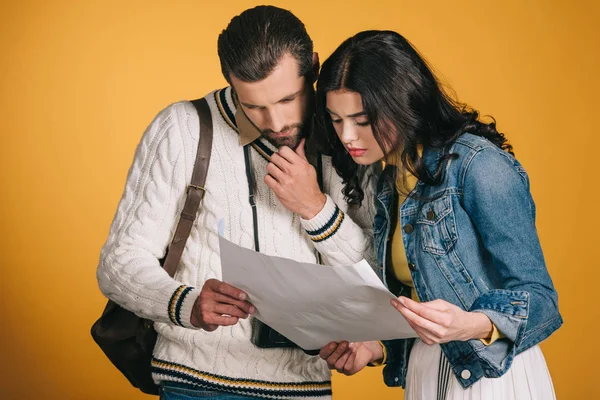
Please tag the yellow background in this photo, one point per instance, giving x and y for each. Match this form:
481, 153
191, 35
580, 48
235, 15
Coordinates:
80, 80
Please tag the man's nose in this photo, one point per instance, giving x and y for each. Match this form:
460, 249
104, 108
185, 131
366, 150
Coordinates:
276, 121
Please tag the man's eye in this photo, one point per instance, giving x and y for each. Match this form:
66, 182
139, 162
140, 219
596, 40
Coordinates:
287, 100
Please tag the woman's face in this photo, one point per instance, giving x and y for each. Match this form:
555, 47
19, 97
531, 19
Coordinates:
353, 126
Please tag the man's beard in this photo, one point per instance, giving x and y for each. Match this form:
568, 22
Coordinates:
291, 141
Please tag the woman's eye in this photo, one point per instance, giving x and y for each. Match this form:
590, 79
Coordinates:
336, 121
365, 123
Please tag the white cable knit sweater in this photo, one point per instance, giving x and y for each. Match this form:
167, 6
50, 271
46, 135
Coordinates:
129, 272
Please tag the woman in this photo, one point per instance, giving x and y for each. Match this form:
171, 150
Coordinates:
455, 229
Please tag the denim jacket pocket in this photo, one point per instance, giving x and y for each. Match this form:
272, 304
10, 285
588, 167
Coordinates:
437, 225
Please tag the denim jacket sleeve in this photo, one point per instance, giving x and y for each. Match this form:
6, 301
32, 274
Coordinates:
396, 364
497, 198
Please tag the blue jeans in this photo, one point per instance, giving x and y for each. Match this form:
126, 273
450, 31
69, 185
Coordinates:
184, 391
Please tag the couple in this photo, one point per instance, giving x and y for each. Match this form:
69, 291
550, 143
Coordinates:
411, 181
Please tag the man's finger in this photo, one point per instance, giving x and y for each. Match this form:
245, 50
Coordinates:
231, 291
230, 310
212, 283
288, 155
221, 320
349, 367
275, 172
327, 350
341, 361
341, 348
242, 305
272, 183
280, 160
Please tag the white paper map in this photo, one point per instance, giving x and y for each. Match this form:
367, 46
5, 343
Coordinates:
313, 304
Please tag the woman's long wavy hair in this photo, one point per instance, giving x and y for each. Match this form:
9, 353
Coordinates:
404, 102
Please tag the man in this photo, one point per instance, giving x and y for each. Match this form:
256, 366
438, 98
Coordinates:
204, 346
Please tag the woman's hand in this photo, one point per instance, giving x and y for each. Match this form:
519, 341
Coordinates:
440, 322
349, 358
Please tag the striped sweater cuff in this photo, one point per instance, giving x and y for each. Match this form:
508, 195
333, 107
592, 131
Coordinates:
180, 305
326, 223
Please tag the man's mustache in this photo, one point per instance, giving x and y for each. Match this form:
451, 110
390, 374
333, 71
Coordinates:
284, 129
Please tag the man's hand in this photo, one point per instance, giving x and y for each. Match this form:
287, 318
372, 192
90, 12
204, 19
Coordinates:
219, 304
294, 182
438, 321
349, 358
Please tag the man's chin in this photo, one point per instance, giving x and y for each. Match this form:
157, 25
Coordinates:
289, 141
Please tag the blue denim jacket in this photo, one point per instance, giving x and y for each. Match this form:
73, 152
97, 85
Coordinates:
472, 241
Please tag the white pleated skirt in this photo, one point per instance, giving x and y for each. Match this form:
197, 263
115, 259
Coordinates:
528, 378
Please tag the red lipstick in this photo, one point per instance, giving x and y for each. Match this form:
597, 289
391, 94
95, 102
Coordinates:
356, 152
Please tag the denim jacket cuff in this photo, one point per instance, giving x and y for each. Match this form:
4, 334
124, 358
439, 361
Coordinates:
507, 309
395, 375
389, 350
396, 365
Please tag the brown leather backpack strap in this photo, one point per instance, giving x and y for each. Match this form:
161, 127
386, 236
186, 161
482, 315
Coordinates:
196, 189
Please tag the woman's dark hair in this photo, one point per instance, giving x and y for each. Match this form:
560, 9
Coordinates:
256, 40
404, 102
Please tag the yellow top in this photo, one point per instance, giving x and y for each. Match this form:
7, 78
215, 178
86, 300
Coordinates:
398, 256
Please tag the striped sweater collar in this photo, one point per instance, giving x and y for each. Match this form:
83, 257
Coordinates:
238, 121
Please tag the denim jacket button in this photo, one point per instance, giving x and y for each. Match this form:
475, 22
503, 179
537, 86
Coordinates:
430, 215
396, 379
408, 228
412, 267
465, 374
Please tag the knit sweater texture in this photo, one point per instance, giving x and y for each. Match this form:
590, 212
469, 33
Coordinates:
129, 272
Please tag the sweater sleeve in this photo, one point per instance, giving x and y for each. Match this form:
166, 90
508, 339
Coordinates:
129, 271
343, 234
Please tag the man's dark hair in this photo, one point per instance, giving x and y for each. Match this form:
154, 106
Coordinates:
256, 40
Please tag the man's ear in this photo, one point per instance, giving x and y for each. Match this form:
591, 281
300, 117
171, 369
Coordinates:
316, 65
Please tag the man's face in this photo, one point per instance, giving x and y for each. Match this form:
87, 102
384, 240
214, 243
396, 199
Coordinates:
279, 104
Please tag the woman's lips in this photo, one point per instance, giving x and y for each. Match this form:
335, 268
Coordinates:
355, 152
